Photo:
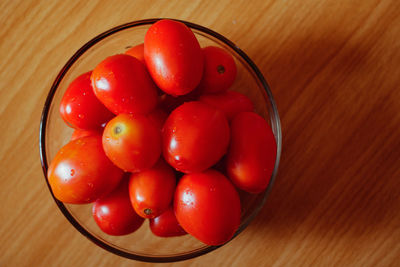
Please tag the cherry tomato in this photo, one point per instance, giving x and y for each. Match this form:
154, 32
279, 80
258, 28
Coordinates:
229, 102
80, 108
151, 191
252, 152
158, 117
173, 57
79, 133
132, 142
195, 137
137, 52
166, 225
219, 70
114, 213
207, 206
123, 85
81, 173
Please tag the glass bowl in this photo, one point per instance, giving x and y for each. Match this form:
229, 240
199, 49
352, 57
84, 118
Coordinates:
143, 245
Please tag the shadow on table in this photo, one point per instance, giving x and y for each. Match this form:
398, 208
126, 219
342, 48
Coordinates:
329, 177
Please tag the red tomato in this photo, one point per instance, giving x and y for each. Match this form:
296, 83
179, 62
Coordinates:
80, 108
78, 133
173, 57
158, 117
114, 213
137, 52
123, 85
166, 225
252, 152
151, 191
207, 206
132, 142
195, 137
229, 102
219, 70
81, 173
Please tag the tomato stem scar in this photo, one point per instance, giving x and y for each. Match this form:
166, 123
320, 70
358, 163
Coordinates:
148, 211
117, 130
220, 69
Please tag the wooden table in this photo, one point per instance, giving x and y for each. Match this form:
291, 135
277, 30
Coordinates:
334, 69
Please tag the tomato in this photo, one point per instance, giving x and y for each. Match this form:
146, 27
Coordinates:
137, 52
166, 225
229, 102
80, 108
195, 136
114, 213
132, 142
158, 117
81, 173
78, 133
252, 152
207, 206
123, 85
173, 57
151, 191
169, 102
219, 70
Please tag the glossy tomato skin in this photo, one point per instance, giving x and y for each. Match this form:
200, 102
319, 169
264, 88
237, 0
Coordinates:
151, 191
252, 152
80, 108
137, 51
195, 137
132, 142
114, 213
229, 102
207, 206
219, 70
79, 133
166, 225
81, 173
173, 57
123, 85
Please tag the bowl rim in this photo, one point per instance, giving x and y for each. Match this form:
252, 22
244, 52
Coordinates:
45, 115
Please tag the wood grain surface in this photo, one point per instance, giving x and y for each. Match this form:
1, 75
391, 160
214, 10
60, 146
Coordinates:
334, 69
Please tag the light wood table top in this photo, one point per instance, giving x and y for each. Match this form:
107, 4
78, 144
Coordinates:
334, 69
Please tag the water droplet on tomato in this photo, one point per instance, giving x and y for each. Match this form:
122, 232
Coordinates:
72, 172
81, 116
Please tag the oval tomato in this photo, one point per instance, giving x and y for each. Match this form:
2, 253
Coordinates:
252, 152
80, 108
151, 191
137, 52
229, 102
219, 70
132, 142
166, 225
207, 206
195, 137
123, 85
114, 213
173, 57
81, 172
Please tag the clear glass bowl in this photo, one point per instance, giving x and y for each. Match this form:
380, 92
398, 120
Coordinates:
143, 245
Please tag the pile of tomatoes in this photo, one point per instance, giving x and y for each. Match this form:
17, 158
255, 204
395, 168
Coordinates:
159, 135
